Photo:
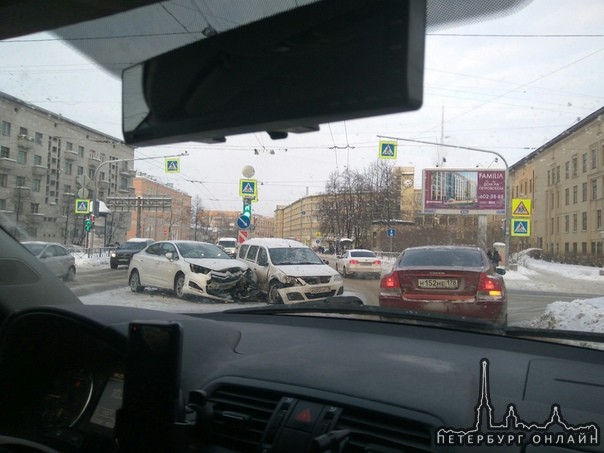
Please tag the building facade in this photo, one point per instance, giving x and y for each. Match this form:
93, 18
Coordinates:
564, 179
157, 211
46, 163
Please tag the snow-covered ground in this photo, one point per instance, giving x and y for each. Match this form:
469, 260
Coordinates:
585, 314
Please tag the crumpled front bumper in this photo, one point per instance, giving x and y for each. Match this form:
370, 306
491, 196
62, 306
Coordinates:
303, 293
211, 284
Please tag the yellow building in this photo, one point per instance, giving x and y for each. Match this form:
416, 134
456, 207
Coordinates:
564, 179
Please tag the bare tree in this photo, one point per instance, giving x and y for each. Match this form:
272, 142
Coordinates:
197, 211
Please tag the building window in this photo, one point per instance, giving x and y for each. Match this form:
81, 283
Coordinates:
575, 222
575, 169
584, 191
584, 162
4, 151
35, 207
567, 170
22, 157
68, 146
2, 204
584, 221
68, 168
67, 188
3, 180
20, 181
566, 223
35, 185
575, 248
81, 151
6, 128
23, 131
575, 193
91, 173
38, 138
598, 219
594, 159
103, 157
594, 189
566, 250
37, 159
584, 248
80, 171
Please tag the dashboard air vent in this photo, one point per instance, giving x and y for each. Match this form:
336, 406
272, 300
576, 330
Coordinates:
240, 416
375, 432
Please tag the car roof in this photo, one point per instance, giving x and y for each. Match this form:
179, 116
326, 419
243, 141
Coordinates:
445, 247
139, 239
42, 243
274, 242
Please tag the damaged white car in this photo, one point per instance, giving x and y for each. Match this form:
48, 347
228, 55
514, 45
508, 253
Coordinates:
287, 271
191, 268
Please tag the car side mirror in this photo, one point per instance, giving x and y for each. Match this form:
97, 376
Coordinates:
326, 261
500, 270
170, 256
263, 263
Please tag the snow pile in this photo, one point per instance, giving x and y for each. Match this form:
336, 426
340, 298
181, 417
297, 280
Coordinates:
586, 315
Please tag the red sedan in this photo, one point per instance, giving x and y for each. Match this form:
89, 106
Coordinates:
451, 280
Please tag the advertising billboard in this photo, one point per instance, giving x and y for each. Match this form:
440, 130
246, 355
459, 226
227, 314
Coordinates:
463, 191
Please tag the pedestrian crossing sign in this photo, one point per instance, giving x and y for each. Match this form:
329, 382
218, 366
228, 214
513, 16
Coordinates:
387, 149
521, 207
82, 206
521, 227
248, 188
173, 165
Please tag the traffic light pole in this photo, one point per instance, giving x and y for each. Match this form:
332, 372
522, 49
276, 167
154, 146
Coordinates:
508, 201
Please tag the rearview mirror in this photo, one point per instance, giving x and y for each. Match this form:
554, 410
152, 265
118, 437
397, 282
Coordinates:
324, 62
500, 270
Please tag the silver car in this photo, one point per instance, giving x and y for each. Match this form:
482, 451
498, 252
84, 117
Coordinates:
56, 257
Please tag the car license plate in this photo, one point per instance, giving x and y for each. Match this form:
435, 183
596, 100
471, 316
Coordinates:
319, 290
437, 283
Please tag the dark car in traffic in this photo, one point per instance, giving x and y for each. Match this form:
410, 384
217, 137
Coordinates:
455, 280
124, 252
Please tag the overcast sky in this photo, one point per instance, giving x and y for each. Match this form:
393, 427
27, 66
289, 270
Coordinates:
507, 94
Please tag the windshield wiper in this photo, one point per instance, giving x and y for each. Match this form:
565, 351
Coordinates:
554, 334
352, 305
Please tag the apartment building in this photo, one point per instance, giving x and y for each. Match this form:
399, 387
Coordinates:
564, 179
46, 163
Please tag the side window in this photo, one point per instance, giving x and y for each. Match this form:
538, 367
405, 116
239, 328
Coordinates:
251, 254
59, 251
155, 249
167, 247
262, 259
243, 251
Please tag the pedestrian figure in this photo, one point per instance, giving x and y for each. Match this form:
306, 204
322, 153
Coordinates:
490, 255
496, 258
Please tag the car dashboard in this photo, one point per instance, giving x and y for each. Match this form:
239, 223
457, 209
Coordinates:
252, 382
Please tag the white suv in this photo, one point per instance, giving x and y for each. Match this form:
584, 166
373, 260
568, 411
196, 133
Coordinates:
287, 271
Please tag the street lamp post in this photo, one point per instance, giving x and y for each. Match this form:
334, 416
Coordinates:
508, 213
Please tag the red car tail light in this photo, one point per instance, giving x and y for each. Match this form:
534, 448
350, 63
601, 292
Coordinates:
353, 261
376, 262
490, 287
390, 283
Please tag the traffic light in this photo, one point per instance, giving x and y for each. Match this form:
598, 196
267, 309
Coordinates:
247, 208
88, 224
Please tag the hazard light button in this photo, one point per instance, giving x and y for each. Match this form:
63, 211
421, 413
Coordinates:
304, 416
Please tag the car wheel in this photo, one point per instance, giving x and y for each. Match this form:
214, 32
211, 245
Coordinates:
70, 275
113, 265
345, 273
135, 282
179, 285
273, 293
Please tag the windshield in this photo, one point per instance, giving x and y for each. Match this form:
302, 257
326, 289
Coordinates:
35, 249
199, 250
134, 245
505, 156
292, 256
